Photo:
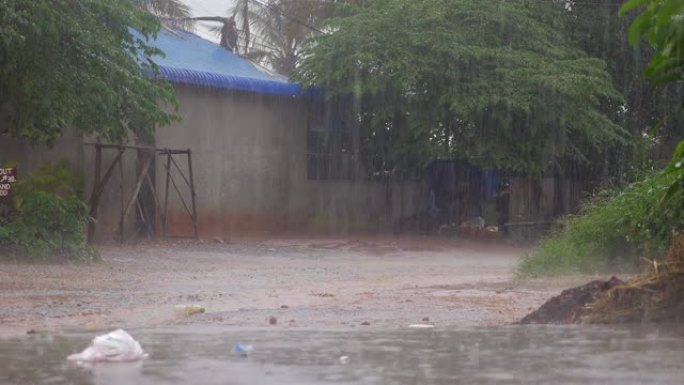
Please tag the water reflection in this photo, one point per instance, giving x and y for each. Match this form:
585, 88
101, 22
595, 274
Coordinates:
504, 355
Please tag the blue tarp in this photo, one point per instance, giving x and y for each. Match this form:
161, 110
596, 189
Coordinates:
192, 60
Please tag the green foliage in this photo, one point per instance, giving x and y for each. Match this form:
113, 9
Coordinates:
673, 202
52, 178
638, 221
48, 226
79, 65
278, 40
612, 231
601, 32
495, 82
662, 23
48, 218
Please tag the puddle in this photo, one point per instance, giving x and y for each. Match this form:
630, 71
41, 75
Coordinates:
499, 355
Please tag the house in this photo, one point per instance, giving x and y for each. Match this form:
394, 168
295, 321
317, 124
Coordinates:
248, 131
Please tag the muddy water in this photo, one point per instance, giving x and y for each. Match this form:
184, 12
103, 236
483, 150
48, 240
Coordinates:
496, 355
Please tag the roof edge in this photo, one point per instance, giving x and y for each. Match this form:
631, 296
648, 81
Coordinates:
224, 81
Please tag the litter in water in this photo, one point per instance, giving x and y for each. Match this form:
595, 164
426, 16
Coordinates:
243, 349
421, 326
188, 310
117, 346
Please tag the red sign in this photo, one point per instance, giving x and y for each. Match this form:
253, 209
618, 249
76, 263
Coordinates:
8, 176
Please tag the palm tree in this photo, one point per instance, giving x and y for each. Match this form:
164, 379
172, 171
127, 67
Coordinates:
173, 13
272, 32
227, 31
242, 11
280, 29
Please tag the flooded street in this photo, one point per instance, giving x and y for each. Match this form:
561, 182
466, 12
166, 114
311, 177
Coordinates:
343, 284
493, 355
305, 304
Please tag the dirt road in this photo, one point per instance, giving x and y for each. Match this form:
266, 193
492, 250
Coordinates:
302, 283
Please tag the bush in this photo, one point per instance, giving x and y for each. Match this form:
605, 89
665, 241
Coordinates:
53, 178
47, 218
49, 225
612, 231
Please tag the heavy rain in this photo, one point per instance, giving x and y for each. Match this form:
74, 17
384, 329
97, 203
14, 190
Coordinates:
341, 192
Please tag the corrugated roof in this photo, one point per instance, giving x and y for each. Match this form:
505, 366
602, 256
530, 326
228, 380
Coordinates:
192, 60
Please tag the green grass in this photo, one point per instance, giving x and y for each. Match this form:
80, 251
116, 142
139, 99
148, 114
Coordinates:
613, 230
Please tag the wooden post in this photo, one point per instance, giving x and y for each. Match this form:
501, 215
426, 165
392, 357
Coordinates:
121, 188
94, 202
166, 193
138, 185
192, 194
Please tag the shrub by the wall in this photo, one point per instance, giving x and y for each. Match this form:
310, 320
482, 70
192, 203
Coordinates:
613, 231
47, 218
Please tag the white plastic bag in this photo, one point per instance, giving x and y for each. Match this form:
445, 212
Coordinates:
117, 346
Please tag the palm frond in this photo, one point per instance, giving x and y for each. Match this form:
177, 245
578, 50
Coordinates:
173, 13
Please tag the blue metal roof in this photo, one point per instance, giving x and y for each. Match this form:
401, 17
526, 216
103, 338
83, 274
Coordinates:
192, 60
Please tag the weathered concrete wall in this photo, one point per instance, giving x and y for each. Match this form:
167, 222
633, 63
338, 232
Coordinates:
80, 157
249, 161
534, 204
249, 155
250, 172
345, 207
68, 147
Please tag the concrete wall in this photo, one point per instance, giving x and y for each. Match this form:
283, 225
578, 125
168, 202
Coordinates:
250, 172
363, 207
534, 204
69, 147
80, 157
249, 161
249, 155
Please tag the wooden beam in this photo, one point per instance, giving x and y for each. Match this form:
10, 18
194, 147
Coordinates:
138, 185
96, 182
192, 195
98, 188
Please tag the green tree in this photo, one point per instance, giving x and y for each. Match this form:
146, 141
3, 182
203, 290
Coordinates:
495, 82
281, 28
661, 22
637, 221
599, 30
272, 32
79, 64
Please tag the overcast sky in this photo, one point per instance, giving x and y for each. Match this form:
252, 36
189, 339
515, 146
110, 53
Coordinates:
208, 8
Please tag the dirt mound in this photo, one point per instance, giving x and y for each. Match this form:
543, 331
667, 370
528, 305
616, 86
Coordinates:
571, 304
657, 298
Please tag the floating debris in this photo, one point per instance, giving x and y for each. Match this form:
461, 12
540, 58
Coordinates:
188, 310
242, 349
421, 326
117, 346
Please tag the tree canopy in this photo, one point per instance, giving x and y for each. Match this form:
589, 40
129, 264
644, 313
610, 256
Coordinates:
272, 32
662, 23
83, 65
498, 83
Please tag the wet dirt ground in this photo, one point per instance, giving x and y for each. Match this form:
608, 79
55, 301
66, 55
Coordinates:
293, 283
